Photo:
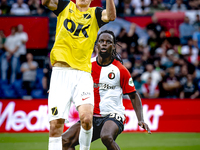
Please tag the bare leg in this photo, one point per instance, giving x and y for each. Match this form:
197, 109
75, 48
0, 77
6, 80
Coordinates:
56, 128
70, 137
108, 135
86, 116
55, 139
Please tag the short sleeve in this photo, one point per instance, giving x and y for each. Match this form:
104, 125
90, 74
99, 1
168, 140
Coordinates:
18, 43
35, 63
24, 65
98, 13
61, 6
126, 81
195, 37
25, 37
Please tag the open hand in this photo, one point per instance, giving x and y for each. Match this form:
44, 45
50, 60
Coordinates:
143, 125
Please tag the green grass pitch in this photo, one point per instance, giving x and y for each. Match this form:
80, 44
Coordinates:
126, 141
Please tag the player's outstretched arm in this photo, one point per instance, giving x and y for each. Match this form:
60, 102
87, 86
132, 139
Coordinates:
137, 105
51, 4
109, 14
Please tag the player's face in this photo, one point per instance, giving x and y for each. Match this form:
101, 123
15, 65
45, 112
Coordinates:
105, 45
83, 3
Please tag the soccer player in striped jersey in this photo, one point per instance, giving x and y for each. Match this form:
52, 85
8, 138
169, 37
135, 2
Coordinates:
71, 81
111, 80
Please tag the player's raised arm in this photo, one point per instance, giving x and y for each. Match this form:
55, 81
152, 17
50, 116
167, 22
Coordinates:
51, 4
109, 14
137, 105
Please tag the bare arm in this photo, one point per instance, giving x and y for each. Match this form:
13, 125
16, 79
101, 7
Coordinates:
182, 95
137, 105
195, 95
32, 66
156, 94
171, 87
109, 14
24, 42
146, 95
24, 69
51, 4
166, 86
132, 30
15, 50
11, 52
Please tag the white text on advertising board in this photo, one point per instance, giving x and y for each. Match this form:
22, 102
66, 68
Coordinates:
18, 120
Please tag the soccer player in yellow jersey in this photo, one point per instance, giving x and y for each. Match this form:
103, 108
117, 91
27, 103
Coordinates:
71, 81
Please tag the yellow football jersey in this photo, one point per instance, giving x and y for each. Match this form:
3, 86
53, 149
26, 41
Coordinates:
76, 33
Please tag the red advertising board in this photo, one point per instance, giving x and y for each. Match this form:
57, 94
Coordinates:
37, 29
94, 3
162, 115
141, 21
166, 19
165, 115
171, 20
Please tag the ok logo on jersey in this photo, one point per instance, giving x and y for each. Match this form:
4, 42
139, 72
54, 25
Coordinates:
76, 29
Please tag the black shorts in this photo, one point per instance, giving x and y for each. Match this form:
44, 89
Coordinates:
98, 123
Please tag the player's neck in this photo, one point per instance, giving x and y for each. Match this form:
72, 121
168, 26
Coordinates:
82, 8
104, 61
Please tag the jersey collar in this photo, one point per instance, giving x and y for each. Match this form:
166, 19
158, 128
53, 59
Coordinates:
103, 65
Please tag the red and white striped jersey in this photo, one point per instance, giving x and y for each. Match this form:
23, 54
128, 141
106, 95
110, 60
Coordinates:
150, 89
110, 83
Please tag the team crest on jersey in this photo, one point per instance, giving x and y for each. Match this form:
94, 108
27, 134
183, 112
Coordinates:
87, 16
71, 11
54, 111
111, 75
130, 82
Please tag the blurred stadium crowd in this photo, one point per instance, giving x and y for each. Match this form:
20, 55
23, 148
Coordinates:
124, 7
162, 65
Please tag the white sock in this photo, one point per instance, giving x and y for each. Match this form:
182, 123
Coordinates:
55, 143
85, 138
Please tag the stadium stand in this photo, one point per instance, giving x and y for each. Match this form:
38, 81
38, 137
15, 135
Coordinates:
158, 40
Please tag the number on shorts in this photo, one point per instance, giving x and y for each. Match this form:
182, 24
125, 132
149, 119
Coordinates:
112, 116
116, 116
